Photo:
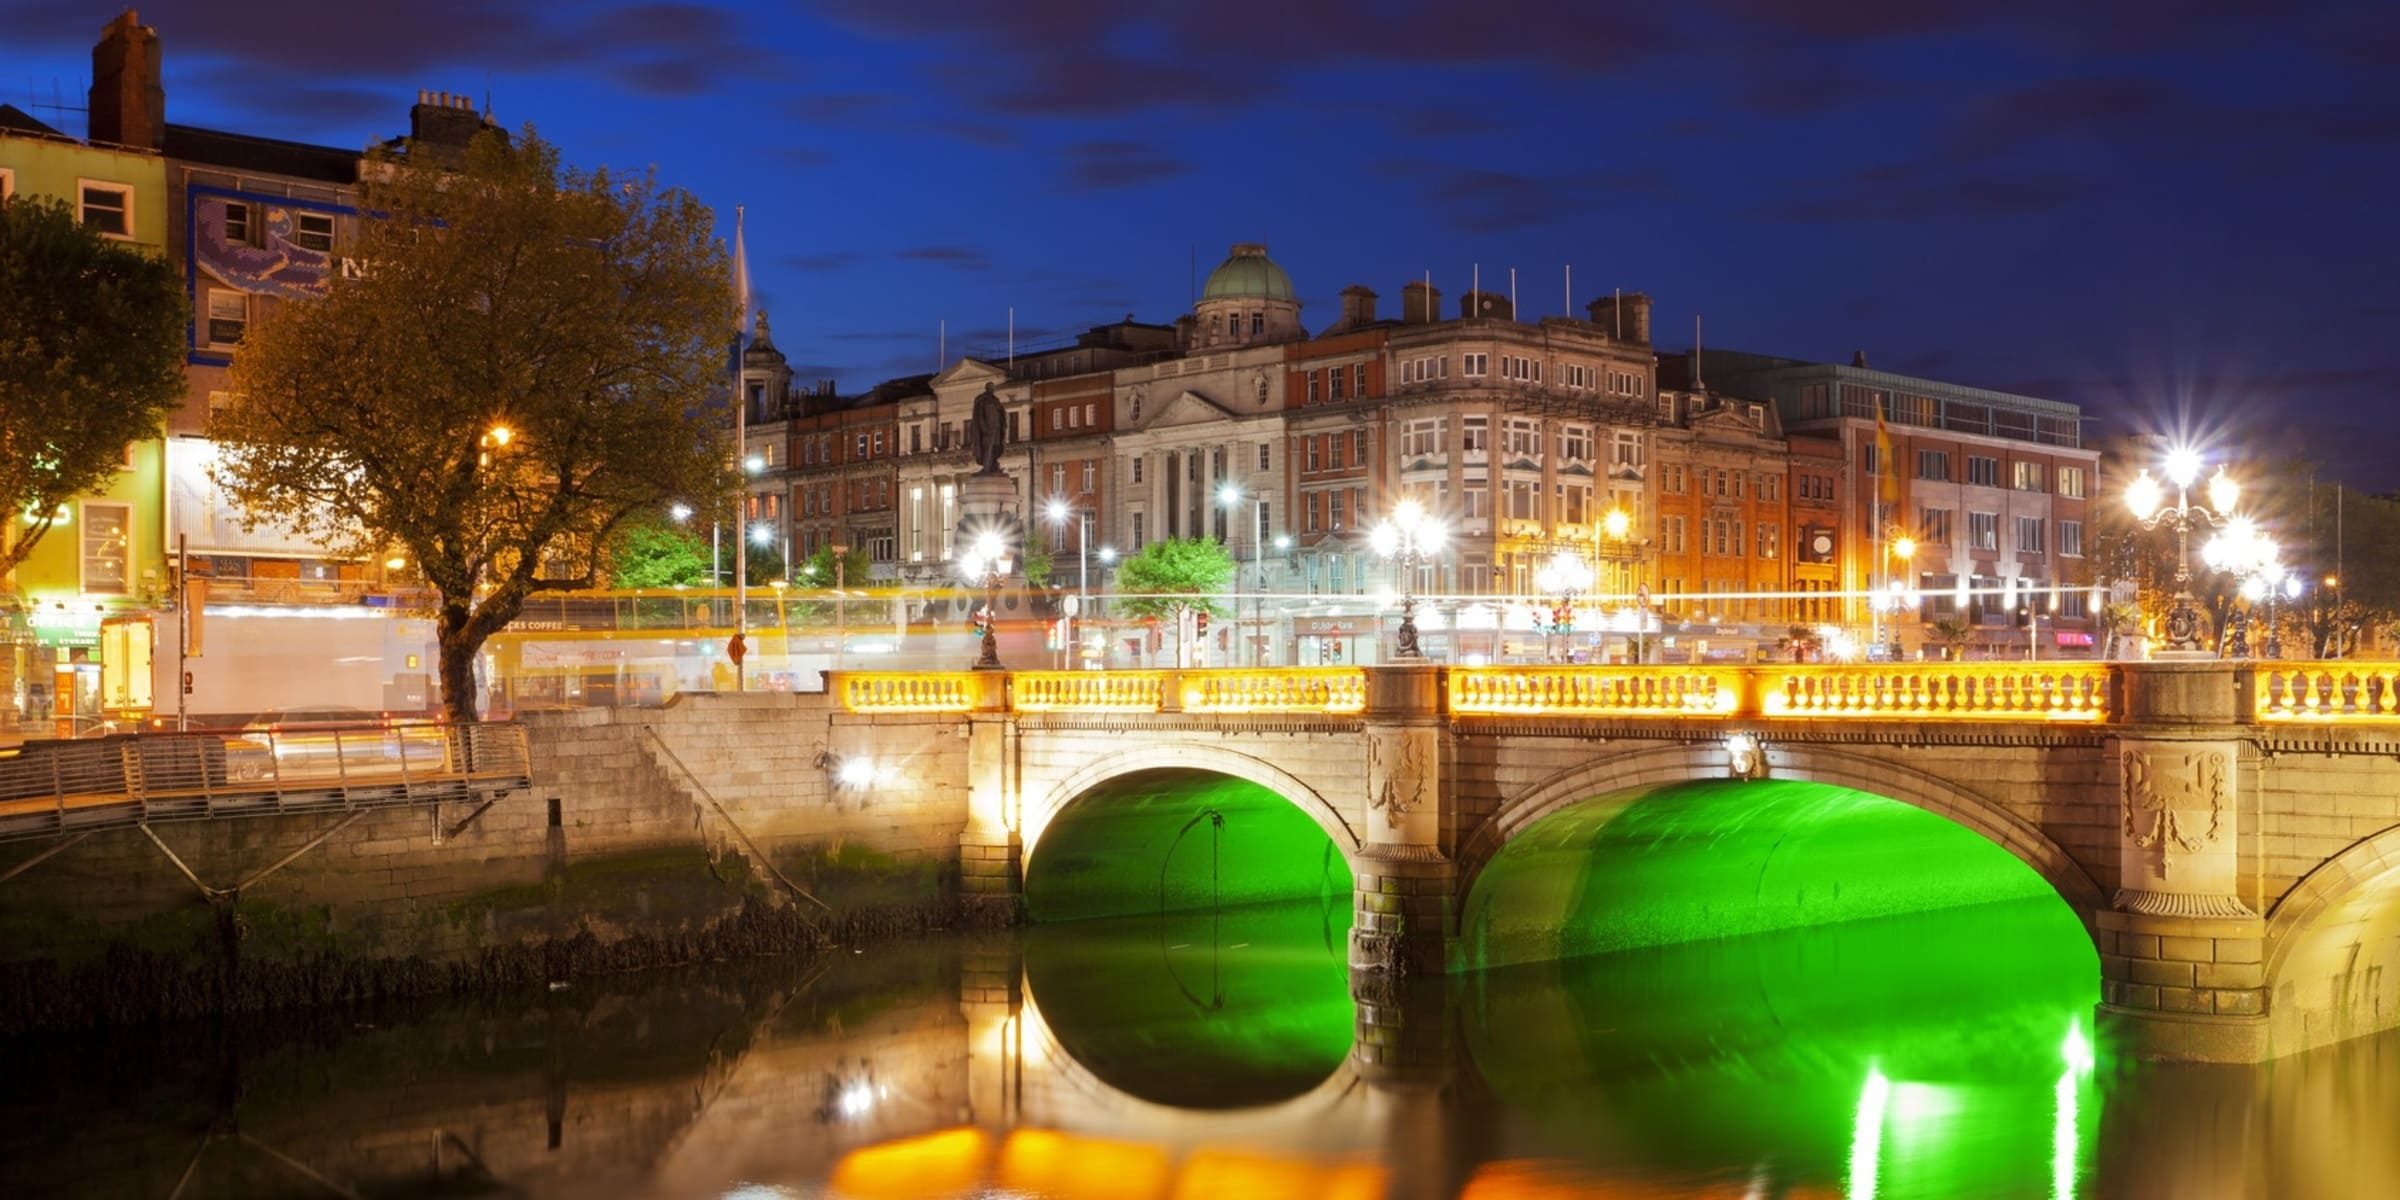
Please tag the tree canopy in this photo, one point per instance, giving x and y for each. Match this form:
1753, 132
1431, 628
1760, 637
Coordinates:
654, 554
91, 360
524, 366
1173, 576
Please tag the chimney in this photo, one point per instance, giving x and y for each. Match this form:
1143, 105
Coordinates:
1486, 304
1358, 306
443, 123
127, 105
1420, 303
1625, 317
1858, 358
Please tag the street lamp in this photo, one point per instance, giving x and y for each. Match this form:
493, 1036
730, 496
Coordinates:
1410, 535
2246, 552
1904, 548
2146, 500
988, 560
1229, 494
1056, 511
1566, 576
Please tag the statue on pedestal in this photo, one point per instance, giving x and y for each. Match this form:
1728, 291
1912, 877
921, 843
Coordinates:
987, 431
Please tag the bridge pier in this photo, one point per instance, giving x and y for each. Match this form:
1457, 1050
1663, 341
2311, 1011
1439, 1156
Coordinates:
991, 852
1405, 883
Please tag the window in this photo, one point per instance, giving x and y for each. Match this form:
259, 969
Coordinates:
1311, 499
1475, 366
1138, 541
1333, 383
1090, 468
862, 446
313, 231
1258, 323
1983, 531
1475, 435
107, 207
2070, 539
1626, 450
1358, 446
1334, 509
1133, 415
1984, 472
2029, 535
1091, 410
1672, 534
1575, 443
1474, 501
1339, 444
237, 224
1523, 499
916, 439
1262, 391
1423, 438
1314, 456
1312, 387
2029, 476
1058, 479
1521, 437
228, 317
1137, 470
1770, 539
1874, 458
2070, 485
107, 536
1358, 380
1933, 526
1934, 465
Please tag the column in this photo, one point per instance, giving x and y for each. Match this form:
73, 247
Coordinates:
990, 853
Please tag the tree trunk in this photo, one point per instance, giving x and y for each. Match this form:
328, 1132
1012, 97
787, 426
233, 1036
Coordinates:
459, 649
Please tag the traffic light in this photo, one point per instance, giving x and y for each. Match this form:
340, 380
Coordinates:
1200, 621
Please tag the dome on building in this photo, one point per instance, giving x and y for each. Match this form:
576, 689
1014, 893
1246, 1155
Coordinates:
1248, 274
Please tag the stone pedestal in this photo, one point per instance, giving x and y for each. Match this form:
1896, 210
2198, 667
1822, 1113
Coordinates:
1405, 878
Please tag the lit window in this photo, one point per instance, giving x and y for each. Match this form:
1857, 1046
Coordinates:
107, 537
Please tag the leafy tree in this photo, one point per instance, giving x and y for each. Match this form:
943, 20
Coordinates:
1951, 634
764, 564
521, 372
1035, 562
817, 570
1175, 578
91, 360
657, 555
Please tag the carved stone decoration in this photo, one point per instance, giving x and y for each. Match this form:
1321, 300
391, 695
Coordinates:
2175, 801
2181, 904
1396, 773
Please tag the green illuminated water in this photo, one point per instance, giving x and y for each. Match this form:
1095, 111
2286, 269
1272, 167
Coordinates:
1726, 989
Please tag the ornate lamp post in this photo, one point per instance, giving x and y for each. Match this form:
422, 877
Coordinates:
2242, 549
988, 560
2145, 498
1410, 535
1565, 577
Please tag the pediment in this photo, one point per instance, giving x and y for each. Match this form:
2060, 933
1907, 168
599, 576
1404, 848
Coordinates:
972, 372
1187, 407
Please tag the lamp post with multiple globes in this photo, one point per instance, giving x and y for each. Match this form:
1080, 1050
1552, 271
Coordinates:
2145, 498
1564, 578
988, 560
1410, 536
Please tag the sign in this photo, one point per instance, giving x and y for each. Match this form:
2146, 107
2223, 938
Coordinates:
735, 649
65, 625
1331, 626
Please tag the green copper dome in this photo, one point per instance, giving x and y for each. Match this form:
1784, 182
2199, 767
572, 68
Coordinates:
1248, 275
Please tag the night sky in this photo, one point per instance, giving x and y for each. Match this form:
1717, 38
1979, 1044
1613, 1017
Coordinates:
2177, 213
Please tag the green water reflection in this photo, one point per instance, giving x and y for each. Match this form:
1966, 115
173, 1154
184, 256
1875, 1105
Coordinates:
1200, 1010
1167, 841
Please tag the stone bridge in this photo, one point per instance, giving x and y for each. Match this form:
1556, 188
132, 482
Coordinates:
2228, 833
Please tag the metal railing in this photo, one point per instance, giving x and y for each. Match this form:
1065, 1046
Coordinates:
50, 788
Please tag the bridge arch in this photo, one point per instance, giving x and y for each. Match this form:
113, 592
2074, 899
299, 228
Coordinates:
1192, 756
1631, 771
2332, 952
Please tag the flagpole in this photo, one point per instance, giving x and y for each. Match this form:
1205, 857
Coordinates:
741, 457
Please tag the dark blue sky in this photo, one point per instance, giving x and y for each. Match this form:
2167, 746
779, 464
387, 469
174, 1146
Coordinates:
2165, 211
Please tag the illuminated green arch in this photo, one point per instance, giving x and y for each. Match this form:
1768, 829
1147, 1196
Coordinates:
1626, 772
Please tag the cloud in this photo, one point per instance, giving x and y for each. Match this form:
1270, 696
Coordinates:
1973, 195
1120, 164
965, 258
830, 261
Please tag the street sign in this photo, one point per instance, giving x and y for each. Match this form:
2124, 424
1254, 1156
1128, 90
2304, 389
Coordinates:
735, 649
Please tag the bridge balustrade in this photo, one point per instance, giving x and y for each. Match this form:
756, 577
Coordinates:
907, 691
1939, 691
2340, 692
1597, 691
1276, 690
1089, 691
52, 788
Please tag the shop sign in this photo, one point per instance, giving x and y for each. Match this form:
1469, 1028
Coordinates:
71, 625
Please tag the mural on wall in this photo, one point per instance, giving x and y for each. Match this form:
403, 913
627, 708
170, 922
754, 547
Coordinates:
266, 247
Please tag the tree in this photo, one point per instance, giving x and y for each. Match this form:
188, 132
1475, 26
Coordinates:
652, 554
1035, 561
763, 564
817, 570
523, 368
91, 360
1951, 634
1174, 578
